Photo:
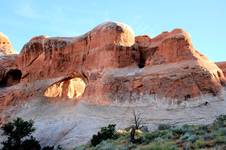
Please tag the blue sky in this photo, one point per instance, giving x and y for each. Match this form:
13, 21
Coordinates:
205, 20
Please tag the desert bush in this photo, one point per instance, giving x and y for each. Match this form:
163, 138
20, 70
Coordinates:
48, 148
164, 126
19, 136
104, 134
208, 136
211, 136
18, 133
181, 130
220, 139
158, 135
220, 122
201, 143
160, 146
105, 145
52, 148
188, 137
81, 147
30, 144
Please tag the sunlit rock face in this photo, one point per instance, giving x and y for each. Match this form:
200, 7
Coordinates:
6, 47
222, 66
67, 88
105, 46
116, 65
168, 47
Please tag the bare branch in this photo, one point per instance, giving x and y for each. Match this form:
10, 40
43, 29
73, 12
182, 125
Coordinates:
137, 120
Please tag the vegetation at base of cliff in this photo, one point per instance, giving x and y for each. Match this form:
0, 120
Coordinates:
18, 135
104, 134
167, 138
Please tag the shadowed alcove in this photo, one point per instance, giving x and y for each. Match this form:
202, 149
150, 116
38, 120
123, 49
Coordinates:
11, 77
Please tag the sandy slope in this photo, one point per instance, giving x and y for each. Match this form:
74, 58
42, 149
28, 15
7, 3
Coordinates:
69, 123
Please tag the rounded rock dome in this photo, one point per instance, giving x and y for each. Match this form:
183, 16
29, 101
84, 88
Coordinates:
113, 32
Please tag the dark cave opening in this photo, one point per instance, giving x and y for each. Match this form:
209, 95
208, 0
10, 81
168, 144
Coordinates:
12, 77
141, 63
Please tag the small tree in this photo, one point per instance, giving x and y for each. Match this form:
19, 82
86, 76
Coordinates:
30, 144
18, 134
137, 124
104, 134
137, 120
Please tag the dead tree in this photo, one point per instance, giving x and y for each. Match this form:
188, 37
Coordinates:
137, 120
137, 124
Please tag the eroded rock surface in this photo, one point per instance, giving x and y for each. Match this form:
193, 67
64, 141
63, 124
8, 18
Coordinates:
116, 65
222, 66
106, 46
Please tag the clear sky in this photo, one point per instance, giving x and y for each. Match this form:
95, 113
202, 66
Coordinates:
205, 20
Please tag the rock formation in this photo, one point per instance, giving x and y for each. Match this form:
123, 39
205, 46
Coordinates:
69, 88
5, 45
106, 65
106, 46
110, 63
222, 66
7, 63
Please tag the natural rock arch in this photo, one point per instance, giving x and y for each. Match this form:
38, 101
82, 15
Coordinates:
71, 88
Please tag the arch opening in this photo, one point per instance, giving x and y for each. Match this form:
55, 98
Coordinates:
70, 88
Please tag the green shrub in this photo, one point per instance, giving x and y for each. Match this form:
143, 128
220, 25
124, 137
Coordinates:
164, 126
81, 147
105, 145
158, 135
188, 137
201, 143
208, 136
17, 130
104, 134
30, 144
220, 122
177, 131
19, 136
220, 139
160, 146
52, 148
169, 138
48, 148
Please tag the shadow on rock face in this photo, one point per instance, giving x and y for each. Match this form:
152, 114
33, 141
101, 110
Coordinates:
11, 77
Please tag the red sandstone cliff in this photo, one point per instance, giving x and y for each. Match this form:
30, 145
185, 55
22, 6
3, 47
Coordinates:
112, 64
